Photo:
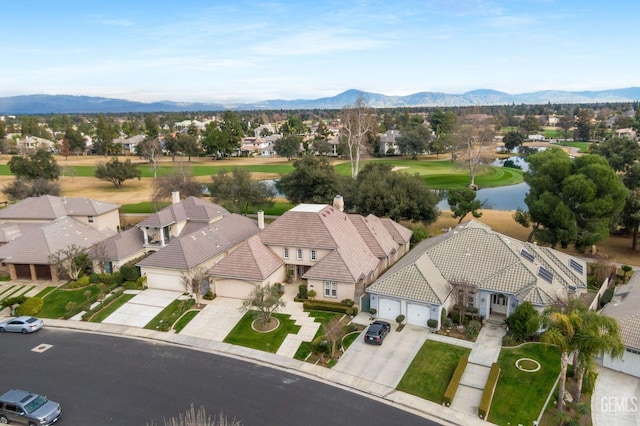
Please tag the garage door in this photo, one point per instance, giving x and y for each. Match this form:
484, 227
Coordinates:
233, 288
388, 308
628, 364
164, 282
417, 314
43, 272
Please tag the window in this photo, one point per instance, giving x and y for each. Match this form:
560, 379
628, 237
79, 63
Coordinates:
90, 219
330, 289
299, 254
286, 252
313, 255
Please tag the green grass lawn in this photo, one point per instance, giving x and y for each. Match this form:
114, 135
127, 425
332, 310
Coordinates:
56, 301
430, 371
45, 291
143, 207
519, 395
184, 320
319, 316
349, 339
243, 335
582, 146
169, 315
111, 307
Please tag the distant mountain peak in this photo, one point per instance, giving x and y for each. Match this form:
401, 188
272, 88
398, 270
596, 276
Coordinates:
72, 104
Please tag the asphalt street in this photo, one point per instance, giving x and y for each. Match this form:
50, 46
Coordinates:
106, 380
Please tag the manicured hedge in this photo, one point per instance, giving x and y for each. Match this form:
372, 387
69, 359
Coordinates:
489, 389
317, 305
455, 381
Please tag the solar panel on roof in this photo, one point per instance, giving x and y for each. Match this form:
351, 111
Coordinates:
526, 255
545, 274
575, 265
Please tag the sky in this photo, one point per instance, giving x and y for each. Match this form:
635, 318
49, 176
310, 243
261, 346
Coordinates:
242, 51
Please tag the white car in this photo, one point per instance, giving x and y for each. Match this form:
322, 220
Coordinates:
22, 325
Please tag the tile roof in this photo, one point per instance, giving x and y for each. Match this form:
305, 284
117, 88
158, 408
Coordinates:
400, 234
375, 235
252, 260
625, 308
192, 209
35, 246
121, 245
474, 254
190, 250
49, 207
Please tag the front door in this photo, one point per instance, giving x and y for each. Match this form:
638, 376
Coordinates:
499, 303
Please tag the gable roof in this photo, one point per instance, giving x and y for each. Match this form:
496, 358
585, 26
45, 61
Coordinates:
190, 250
49, 207
192, 209
375, 235
121, 245
36, 245
474, 254
625, 308
252, 260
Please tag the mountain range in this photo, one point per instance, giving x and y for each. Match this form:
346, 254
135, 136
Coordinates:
67, 104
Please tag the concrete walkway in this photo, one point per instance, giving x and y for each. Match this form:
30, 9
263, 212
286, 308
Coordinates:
484, 352
140, 310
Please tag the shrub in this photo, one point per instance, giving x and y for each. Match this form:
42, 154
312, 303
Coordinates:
317, 305
312, 294
473, 329
431, 323
80, 282
129, 272
400, 319
209, 295
373, 311
347, 302
448, 322
524, 322
455, 381
455, 317
30, 307
302, 291
489, 389
607, 296
319, 345
10, 301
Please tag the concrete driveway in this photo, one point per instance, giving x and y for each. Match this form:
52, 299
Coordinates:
387, 363
616, 399
216, 320
140, 310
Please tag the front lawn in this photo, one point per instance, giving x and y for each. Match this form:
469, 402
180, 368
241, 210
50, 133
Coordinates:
322, 317
520, 396
112, 307
244, 335
169, 315
184, 320
57, 301
430, 371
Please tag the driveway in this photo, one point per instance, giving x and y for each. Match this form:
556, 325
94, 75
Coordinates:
387, 363
616, 399
216, 320
140, 310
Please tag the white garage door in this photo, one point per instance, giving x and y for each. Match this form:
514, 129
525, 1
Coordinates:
417, 314
388, 308
164, 282
233, 289
628, 364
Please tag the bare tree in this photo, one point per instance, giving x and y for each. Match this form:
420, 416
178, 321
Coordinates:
192, 281
334, 331
474, 134
98, 254
72, 260
151, 150
265, 300
180, 179
358, 121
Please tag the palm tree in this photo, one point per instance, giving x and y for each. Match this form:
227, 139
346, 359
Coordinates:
597, 334
561, 333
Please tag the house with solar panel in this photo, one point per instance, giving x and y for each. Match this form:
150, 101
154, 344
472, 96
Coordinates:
474, 269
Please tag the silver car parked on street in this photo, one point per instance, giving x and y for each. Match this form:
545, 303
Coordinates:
21, 325
26, 408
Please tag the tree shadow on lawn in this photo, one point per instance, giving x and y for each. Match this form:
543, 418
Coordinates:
244, 335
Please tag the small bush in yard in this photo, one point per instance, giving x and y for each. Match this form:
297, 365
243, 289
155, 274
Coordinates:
209, 295
347, 302
302, 291
18, 300
400, 319
81, 282
30, 307
129, 272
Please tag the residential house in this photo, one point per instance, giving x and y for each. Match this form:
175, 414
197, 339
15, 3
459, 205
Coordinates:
184, 239
33, 229
625, 308
336, 254
33, 143
627, 133
128, 145
388, 144
475, 268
